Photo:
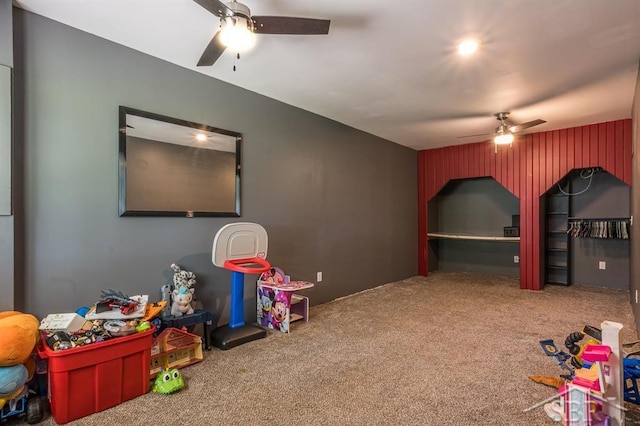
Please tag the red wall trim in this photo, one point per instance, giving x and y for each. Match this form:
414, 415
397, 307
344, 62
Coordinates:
528, 169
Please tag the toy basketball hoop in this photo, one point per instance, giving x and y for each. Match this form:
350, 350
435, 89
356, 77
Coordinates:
242, 248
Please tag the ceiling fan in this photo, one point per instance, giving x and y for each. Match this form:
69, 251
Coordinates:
504, 133
237, 28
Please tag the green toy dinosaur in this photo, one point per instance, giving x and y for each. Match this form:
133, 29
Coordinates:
169, 381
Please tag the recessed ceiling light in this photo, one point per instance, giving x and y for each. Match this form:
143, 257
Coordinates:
201, 137
467, 47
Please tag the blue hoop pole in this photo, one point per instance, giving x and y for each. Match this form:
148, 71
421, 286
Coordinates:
236, 314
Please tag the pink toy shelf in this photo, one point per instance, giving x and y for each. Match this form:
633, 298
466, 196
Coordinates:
277, 304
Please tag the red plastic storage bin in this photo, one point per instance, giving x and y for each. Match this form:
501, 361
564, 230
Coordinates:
92, 378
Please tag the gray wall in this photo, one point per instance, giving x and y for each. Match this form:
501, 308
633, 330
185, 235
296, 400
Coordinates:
473, 206
332, 198
607, 197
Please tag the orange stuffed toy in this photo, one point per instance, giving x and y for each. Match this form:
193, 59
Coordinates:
19, 336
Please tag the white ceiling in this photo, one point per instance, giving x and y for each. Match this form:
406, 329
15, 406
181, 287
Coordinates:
391, 69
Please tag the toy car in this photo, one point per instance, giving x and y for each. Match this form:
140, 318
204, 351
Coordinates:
32, 407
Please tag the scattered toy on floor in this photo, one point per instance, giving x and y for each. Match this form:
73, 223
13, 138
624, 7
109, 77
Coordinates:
571, 343
554, 382
560, 357
169, 381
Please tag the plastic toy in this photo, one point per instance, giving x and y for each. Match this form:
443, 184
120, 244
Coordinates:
571, 343
152, 310
112, 299
174, 348
182, 295
554, 382
168, 382
560, 357
241, 248
594, 393
21, 405
69, 322
165, 293
613, 372
188, 322
632, 375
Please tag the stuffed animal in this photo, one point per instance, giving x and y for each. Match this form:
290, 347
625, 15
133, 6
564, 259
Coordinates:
182, 302
182, 295
18, 337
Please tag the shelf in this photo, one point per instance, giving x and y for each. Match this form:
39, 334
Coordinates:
556, 252
472, 237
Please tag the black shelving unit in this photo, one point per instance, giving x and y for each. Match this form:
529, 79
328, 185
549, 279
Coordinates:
556, 241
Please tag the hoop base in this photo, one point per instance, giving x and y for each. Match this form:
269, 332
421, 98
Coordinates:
225, 337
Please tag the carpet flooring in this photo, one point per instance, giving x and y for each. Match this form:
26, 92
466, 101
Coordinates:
448, 349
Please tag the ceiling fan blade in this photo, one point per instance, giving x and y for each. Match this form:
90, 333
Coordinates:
216, 7
289, 25
521, 127
212, 52
472, 136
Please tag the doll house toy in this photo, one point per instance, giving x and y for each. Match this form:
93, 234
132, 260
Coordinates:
174, 348
595, 395
241, 248
189, 321
277, 304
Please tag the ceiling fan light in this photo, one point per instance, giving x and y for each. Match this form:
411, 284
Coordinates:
468, 47
237, 34
503, 139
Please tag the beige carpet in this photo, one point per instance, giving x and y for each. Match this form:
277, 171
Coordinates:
450, 349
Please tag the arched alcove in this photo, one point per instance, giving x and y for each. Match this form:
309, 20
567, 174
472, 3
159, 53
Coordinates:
586, 218
466, 225
528, 170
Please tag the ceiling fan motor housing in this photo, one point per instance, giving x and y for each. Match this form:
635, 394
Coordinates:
502, 116
239, 9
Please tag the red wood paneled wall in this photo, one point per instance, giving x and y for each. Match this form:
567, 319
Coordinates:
528, 169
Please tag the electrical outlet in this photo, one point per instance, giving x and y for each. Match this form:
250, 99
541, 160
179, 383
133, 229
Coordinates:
516, 259
318, 276
602, 265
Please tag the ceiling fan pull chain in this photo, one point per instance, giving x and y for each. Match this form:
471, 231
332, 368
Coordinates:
234, 61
